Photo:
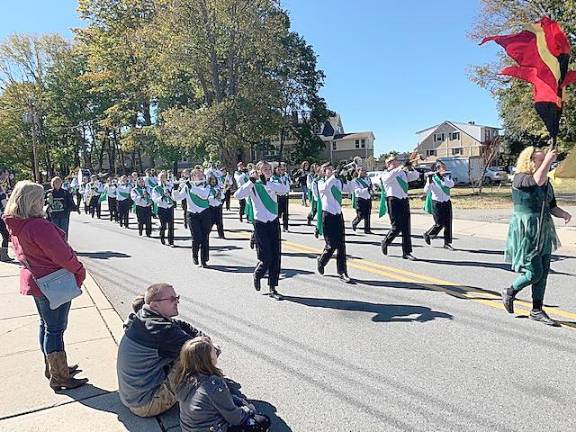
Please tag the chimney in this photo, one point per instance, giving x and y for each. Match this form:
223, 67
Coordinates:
472, 122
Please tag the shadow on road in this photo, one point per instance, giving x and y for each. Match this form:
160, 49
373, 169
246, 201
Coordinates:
103, 255
383, 312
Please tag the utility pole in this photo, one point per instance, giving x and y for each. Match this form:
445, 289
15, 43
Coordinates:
30, 118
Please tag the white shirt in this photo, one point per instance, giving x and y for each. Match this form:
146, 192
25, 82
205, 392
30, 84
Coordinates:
391, 184
215, 197
261, 213
159, 196
150, 182
240, 178
141, 197
314, 187
330, 203
110, 190
362, 191
437, 193
97, 187
284, 179
196, 196
123, 191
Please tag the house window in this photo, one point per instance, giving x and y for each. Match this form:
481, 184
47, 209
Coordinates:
357, 143
454, 136
363, 144
333, 145
457, 151
430, 152
439, 137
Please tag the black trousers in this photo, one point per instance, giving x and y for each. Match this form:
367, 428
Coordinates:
268, 250
283, 210
200, 224
227, 196
399, 211
242, 208
166, 216
363, 212
144, 216
335, 238
216, 218
113, 208
95, 206
4, 233
185, 210
261, 423
124, 212
442, 213
78, 199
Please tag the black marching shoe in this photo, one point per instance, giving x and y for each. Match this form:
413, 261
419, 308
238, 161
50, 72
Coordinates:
203, 264
345, 278
195, 260
427, 238
319, 267
162, 241
308, 220
409, 257
508, 296
257, 284
353, 227
541, 316
274, 294
384, 247
449, 247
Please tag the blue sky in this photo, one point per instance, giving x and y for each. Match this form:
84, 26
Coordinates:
391, 67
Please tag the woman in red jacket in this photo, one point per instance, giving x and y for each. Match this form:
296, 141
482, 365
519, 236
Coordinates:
41, 245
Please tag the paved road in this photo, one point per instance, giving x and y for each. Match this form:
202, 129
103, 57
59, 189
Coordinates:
418, 346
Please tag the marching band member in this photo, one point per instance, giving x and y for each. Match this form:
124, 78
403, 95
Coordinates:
75, 191
437, 190
312, 185
150, 180
141, 198
124, 202
228, 183
111, 191
215, 201
330, 189
241, 177
196, 192
263, 194
183, 179
161, 195
86, 192
281, 177
97, 189
395, 182
363, 193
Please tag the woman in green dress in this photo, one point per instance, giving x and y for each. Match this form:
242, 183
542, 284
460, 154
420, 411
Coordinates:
527, 250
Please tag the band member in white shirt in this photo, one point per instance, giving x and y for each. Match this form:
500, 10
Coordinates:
241, 177
195, 191
264, 196
161, 195
86, 192
395, 181
97, 189
111, 191
437, 190
143, 201
183, 179
330, 189
363, 193
280, 176
124, 201
215, 199
228, 183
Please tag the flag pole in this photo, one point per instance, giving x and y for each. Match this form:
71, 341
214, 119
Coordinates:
552, 146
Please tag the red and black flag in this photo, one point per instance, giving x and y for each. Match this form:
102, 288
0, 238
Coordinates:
542, 52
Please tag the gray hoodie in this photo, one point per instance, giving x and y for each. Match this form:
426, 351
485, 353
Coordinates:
208, 406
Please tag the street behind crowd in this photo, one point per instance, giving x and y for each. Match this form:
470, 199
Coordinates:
412, 346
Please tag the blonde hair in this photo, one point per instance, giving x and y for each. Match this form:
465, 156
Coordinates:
54, 180
153, 291
26, 201
525, 162
196, 358
260, 164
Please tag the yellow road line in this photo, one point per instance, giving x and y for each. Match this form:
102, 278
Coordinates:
429, 282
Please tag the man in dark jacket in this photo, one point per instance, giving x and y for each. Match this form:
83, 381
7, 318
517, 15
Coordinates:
149, 350
59, 205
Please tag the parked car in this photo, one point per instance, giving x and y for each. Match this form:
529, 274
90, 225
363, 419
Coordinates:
495, 175
423, 170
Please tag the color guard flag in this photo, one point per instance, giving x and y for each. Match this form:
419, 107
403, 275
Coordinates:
542, 53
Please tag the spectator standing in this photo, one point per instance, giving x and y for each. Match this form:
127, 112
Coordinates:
42, 248
59, 205
4, 257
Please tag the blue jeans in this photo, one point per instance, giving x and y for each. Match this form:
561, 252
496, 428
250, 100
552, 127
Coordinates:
304, 194
62, 222
53, 323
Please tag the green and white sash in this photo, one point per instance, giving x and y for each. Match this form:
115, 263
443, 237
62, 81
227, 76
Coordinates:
428, 202
383, 204
198, 202
403, 183
265, 198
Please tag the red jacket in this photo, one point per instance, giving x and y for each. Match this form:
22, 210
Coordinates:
43, 245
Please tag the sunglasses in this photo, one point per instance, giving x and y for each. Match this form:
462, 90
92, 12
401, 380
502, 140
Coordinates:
171, 298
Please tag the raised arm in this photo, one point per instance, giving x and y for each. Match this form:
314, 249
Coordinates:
244, 190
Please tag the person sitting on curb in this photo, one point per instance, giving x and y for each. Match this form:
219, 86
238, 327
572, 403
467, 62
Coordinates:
148, 352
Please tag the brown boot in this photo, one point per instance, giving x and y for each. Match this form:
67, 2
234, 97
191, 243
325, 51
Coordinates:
4, 257
72, 370
60, 378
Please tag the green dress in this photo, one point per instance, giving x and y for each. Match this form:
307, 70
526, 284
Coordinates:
522, 244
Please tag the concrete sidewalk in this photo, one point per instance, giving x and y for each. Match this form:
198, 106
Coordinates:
476, 227
27, 403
